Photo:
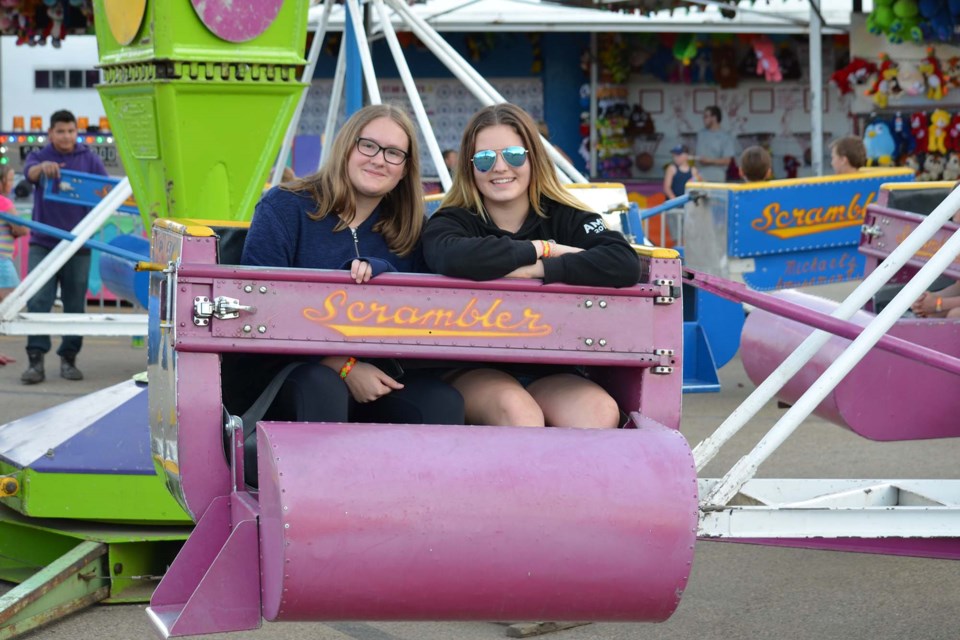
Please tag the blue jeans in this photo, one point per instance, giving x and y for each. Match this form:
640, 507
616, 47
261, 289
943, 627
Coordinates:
72, 278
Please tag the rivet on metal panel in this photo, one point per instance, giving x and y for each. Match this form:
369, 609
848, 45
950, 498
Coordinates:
247, 328
262, 329
602, 342
263, 289
603, 304
588, 342
588, 304
248, 288
286, 526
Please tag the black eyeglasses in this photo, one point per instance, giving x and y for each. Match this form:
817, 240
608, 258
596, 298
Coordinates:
484, 160
370, 149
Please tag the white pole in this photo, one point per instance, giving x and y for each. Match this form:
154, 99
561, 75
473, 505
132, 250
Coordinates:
366, 62
816, 89
65, 250
747, 466
704, 452
473, 81
333, 110
307, 78
422, 119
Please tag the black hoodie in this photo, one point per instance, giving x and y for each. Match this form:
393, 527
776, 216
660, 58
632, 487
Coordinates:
460, 244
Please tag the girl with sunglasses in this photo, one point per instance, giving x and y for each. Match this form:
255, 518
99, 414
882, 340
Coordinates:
363, 211
507, 216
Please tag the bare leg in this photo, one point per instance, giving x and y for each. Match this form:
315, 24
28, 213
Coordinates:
493, 397
568, 400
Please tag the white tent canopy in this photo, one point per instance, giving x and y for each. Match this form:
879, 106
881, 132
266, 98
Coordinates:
777, 16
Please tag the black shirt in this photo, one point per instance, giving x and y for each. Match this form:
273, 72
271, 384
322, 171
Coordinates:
461, 244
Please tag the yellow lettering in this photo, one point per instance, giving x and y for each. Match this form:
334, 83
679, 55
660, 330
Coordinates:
328, 306
763, 223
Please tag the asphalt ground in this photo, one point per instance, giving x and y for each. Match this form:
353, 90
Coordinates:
735, 590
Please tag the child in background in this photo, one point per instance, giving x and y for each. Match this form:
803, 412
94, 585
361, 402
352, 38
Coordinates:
9, 278
679, 173
756, 164
848, 155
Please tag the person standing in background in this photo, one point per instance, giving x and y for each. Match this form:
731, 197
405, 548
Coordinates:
678, 174
63, 151
715, 147
451, 158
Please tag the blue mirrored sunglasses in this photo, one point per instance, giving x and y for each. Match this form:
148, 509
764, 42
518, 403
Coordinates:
484, 160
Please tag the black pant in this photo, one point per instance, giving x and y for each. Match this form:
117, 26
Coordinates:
315, 393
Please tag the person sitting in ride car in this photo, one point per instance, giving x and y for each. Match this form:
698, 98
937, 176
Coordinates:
507, 216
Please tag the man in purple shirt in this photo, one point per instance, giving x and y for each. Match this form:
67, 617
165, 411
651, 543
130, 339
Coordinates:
62, 152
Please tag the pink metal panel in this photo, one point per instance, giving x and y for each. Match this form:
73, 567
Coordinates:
213, 585
402, 522
886, 396
894, 226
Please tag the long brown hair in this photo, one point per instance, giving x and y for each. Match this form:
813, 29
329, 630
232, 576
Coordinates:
401, 210
543, 177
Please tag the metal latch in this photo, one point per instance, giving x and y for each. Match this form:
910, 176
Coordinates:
871, 230
221, 308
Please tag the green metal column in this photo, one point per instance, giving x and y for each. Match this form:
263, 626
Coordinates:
199, 94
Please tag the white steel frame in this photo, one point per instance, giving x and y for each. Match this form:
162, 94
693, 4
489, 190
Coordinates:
738, 505
13, 321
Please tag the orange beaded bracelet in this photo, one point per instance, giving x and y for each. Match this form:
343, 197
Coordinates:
347, 367
546, 248
939, 304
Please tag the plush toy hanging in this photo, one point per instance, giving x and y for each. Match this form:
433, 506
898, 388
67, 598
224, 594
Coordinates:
902, 136
685, 48
886, 82
857, 72
939, 121
936, 82
767, 64
879, 143
919, 127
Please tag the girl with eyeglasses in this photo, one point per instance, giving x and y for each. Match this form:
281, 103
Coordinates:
507, 216
363, 211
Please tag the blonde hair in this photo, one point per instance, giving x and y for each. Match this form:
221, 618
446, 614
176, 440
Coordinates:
543, 178
401, 212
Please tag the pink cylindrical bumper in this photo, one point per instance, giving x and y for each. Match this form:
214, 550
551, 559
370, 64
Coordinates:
402, 522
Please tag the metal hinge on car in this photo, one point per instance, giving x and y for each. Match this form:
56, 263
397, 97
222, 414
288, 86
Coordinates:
221, 308
666, 360
669, 292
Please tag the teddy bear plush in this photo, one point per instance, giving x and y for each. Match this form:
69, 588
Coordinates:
932, 168
951, 171
767, 64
